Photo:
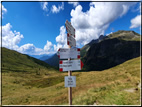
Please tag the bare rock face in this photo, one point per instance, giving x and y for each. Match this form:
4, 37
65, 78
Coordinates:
112, 50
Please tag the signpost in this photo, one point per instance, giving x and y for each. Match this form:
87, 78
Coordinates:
70, 28
65, 53
70, 65
70, 81
71, 41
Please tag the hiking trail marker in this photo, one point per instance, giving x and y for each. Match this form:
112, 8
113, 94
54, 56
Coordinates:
70, 81
73, 63
71, 40
65, 53
70, 65
70, 29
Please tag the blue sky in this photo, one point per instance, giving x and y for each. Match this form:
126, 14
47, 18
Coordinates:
37, 28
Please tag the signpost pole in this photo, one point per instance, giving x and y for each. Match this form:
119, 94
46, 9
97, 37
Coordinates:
70, 88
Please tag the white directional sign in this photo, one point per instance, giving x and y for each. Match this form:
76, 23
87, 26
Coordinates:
70, 28
65, 53
70, 81
70, 65
71, 40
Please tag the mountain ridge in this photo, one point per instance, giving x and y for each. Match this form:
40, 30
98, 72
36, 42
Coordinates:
119, 36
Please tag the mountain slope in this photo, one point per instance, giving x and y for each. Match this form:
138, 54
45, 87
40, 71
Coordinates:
101, 88
114, 49
53, 61
44, 57
14, 61
107, 51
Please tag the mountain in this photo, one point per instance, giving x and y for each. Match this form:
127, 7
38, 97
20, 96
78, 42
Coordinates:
107, 51
114, 49
85, 48
53, 61
41, 57
45, 57
17, 62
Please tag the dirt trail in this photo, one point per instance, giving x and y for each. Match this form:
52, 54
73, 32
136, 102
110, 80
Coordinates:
131, 90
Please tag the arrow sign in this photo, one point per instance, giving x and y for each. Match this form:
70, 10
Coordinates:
70, 65
70, 28
65, 53
71, 40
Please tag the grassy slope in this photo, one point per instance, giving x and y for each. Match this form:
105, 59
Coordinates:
106, 87
17, 62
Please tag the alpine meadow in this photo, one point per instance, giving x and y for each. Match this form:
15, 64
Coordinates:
70, 53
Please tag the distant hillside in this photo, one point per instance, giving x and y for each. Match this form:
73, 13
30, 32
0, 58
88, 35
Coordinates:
17, 62
45, 57
41, 57
114, 49
53, 61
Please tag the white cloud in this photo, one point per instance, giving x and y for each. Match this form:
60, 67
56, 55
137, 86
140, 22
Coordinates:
10, 39
30, 49
55, 9
48, 46
4, 10
56, 47
74, 3
44, 6
27, 48
33, 50
61, 39
136, 22
92, 23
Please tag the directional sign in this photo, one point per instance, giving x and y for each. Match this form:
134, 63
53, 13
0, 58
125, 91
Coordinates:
70, 81
70, 28
70, 65
71, 40
65, 53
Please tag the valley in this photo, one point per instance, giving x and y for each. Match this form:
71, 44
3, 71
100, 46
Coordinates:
47, 87
110, 76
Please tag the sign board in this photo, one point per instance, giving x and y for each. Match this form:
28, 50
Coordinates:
70, 28
70, 65
70, 81
65, 53
71, 40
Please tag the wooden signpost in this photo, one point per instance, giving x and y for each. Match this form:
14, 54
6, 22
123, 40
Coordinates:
70, 65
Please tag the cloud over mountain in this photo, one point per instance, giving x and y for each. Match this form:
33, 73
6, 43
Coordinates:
136, 22
92, 23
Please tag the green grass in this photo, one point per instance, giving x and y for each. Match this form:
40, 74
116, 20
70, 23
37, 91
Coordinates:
125, 35
28, 81
104, 88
